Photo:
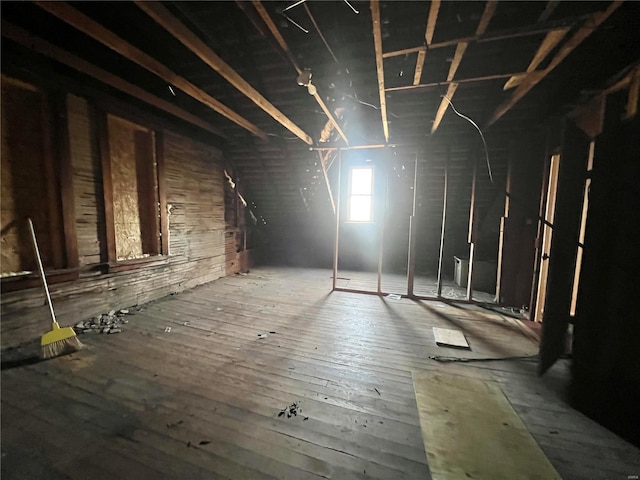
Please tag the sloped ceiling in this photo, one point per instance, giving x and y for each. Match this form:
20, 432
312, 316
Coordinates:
476, 46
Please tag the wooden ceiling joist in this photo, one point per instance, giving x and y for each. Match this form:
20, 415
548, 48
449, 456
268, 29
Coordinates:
461, 48
190, 40
549, 9
534, 77
377, 41
483, 78
428, 37
634, 94
548, 44
89, 27
276, 33
526, 31
283, 45
43, 47
431, 21
417, 76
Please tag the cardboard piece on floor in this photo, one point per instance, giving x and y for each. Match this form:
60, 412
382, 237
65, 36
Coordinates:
470, 430
450, 338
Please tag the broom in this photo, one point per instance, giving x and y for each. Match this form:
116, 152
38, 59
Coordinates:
58, 341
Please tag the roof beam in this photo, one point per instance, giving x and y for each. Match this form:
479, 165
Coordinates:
461, 48
526, 31
634, 94
548, 44
428, 37
534, 77
377, 41
419, 65
283, 45
484, 78
442, 108
190, 40
431, 21
43, 47
76, 19
548, 10
276, 33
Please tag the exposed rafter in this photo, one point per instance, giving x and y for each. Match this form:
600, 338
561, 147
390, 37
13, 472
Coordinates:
190, 40
43, 47
548, 44
549, 9
533, 78
419, 65
483, 78
283, 45
428, 37
461, 48
377, 41
526, 31
431, 21
93, 29
634, 95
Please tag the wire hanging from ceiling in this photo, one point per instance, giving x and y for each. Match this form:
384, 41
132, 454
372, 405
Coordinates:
369, 104
486, 150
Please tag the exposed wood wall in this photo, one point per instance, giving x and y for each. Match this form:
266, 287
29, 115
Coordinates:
26, 164
606, 367
198, 248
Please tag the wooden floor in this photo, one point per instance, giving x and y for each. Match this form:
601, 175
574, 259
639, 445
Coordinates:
202, 401
424, 285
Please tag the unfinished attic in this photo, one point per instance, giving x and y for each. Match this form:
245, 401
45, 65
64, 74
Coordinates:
303, 239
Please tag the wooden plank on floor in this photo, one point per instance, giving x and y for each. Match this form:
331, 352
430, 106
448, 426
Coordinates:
471, 431
446, 337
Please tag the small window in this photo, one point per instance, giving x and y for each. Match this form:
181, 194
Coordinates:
135, 189
361, 195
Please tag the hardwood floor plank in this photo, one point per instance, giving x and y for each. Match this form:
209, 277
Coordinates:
132, 402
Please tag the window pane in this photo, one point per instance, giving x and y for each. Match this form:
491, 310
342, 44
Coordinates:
360, 209
361, 181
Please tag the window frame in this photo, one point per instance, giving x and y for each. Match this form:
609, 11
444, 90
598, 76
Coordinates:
350, 194
161, 226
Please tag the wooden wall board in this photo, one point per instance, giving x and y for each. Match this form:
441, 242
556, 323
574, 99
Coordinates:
192, 185
26, 156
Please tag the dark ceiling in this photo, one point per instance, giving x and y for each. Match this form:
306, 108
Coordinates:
281, 173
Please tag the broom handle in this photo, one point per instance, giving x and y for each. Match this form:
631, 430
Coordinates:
44, 281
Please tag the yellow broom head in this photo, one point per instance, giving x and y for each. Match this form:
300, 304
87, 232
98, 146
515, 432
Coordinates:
59, 341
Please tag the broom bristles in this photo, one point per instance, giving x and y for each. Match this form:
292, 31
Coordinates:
61, 347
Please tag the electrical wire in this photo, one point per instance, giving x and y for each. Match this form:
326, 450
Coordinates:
296, 24
368, 104
486, 150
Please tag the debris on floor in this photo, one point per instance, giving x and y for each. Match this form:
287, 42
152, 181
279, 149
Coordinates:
446, 337
377, 391
167, 330
292, 410
262, 335
394, 296
106, 323
173, 425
